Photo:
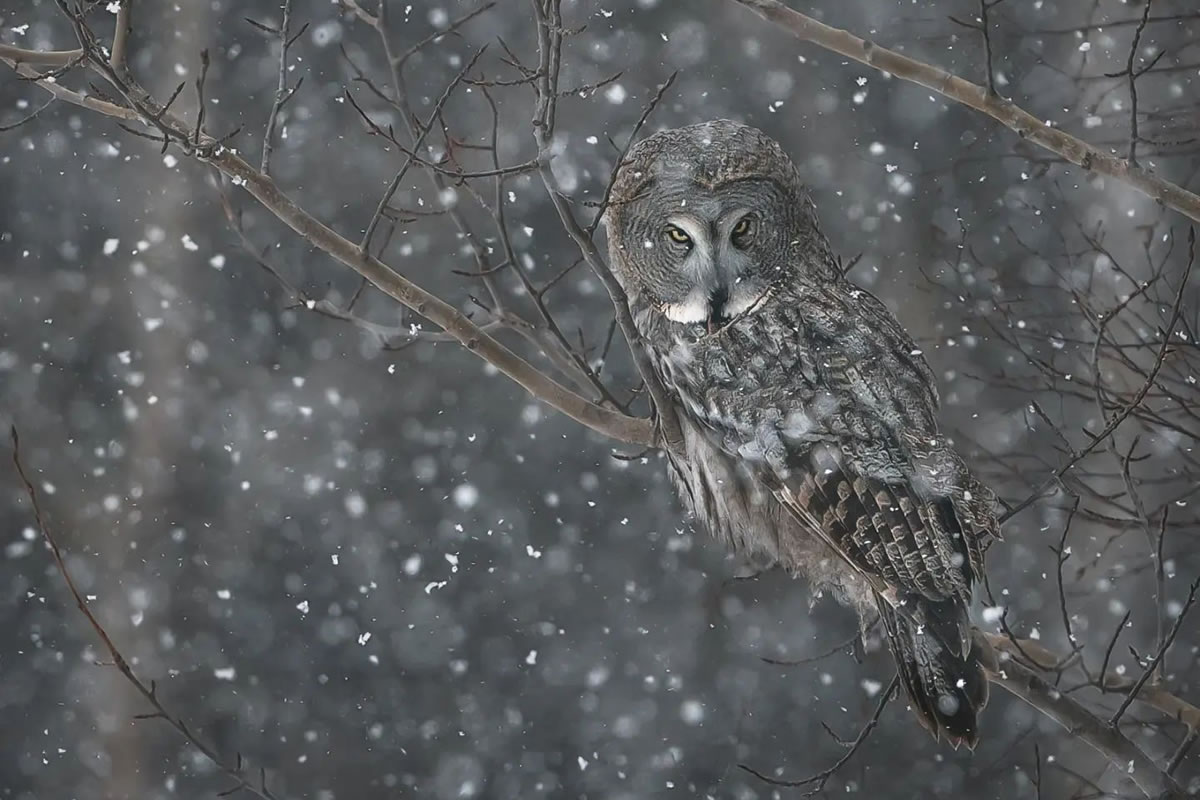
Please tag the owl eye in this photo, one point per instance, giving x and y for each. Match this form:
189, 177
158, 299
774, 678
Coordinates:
742, 230
677, 235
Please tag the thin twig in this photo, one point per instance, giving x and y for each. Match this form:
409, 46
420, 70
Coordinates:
200, 81
659, 93
549, 34
418, 141
1133, 76
28, 117
282, 93
819, 779
400, 59
794, 662
1151, 668
148, 691
985, 28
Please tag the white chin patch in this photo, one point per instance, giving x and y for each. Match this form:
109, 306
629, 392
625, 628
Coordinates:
691, 309
694, 308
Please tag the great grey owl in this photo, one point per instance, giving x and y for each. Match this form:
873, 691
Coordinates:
808, 415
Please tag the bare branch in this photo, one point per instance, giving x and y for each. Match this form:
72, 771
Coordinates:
400, 59
61, 92
1151, 668
147, 691
28, 117
550, 33
618, 426
15, 56
838, 648
818, 780
1108, 740
1133, 76
282, 93
623, 428
1154, 695
121, 31
961, 91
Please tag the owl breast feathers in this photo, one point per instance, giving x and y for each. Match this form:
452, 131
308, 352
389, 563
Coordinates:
809, 416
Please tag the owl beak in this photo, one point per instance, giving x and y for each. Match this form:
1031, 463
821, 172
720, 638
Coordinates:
716, 307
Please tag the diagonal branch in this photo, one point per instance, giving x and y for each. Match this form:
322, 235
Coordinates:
611, 423
977, 97
1154, 695
1123, 754
632, 430
237, 771
1152, 667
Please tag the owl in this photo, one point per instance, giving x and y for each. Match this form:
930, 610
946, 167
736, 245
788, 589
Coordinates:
810, 436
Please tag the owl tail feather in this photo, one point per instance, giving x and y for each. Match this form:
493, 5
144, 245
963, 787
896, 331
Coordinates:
946, 689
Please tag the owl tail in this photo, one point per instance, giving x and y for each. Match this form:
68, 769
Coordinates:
947, 690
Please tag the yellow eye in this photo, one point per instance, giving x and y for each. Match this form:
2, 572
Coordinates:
677, 235
742, 228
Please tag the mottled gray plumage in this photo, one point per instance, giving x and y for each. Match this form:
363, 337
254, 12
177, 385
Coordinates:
808, 414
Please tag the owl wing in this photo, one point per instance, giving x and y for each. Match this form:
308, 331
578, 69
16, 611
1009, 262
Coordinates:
874, 479
907, 540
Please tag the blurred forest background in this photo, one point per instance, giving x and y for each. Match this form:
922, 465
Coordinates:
389, 572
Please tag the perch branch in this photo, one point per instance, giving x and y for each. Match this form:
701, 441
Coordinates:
1009, 673
1123, 754
1153, 694
632, 430
622, 427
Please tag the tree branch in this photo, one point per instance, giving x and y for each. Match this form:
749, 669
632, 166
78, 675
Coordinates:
39, 58
1154, 695
120, 47
632, 430
977, 97
549, 34
237, 770
622, 427
1019, 680
819, 779
282, 92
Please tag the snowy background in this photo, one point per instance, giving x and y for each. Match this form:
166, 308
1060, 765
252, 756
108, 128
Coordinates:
393, 574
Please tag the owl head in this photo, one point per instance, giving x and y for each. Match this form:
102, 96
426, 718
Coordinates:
705, 220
